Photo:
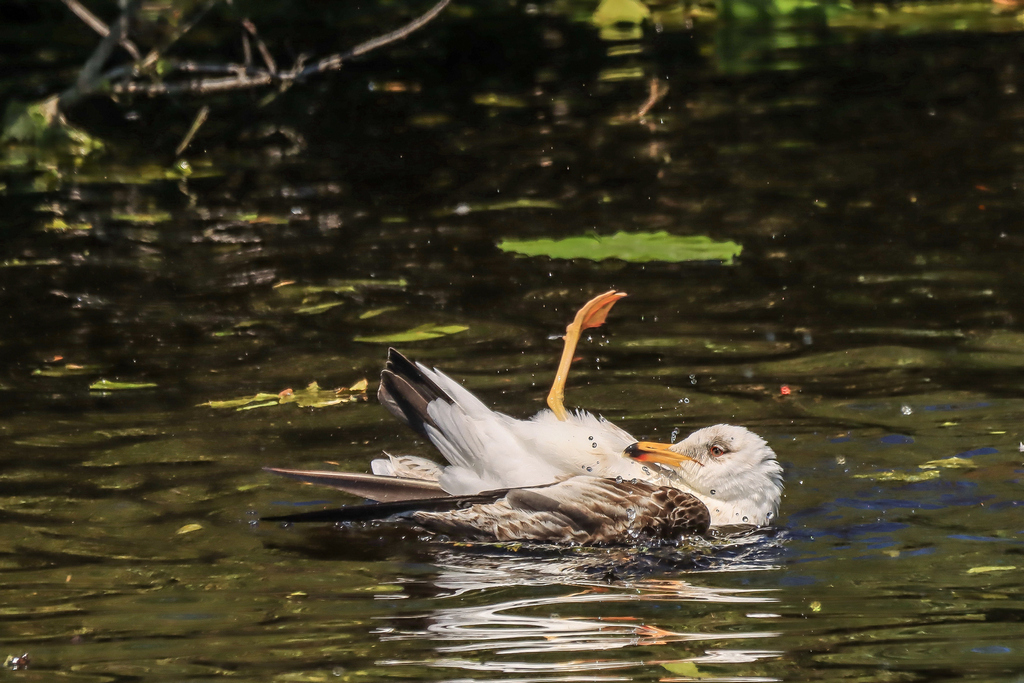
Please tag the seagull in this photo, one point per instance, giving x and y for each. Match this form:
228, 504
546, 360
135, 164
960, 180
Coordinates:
561, 476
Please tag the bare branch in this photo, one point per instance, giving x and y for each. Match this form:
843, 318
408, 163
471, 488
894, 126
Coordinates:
244, 76
88, 78
96, 24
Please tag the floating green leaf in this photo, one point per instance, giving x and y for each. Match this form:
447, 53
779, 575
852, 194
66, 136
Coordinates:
521, 203
264, 404
492, 99
684, 668
239, 402
893, 475
18, 263
373, 313
107, 385
986, 570
143, 218
421, 333
310, 397
318, 308
949, 463
58, 224
68, 370
637, 247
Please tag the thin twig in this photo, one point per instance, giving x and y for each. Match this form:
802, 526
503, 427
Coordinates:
96, 24
261, 46
246, 51
199, 120
658, 91
335, 61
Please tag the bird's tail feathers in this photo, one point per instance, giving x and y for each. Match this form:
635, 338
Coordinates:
375, 511
371, 486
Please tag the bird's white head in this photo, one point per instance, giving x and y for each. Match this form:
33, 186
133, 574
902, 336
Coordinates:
731, 469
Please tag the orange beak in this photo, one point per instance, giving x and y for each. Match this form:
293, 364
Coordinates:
648, 451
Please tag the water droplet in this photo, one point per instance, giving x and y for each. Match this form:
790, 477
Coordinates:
693, 381
591, 438
906, 410
462, 209
647, 470
593, 445
618, 480
590, 469
675, 435
744, 519
713, 492
633, 480
630, 514
686, 400
693, 376
770, 515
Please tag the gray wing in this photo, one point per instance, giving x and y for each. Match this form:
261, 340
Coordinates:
582, 510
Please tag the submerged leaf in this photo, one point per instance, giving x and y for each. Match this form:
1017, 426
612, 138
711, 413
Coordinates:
188, 528
421, 333
107, 385
638, 247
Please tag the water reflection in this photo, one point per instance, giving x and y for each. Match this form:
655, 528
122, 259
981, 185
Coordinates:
509, 605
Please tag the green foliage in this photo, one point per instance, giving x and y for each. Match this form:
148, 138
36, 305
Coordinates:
107, 385
310, 397
636, 247
420, 333
42, 126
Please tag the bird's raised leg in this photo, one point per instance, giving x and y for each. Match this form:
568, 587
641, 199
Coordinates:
593, 314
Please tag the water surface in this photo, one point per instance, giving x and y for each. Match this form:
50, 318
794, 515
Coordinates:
868, 163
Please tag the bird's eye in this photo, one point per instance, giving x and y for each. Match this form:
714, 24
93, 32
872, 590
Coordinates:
717, 450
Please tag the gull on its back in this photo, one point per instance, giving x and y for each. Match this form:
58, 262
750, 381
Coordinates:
559, 476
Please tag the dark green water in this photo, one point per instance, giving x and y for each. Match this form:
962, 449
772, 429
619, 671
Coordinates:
869, 162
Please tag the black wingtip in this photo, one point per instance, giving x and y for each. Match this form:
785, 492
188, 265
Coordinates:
406, 391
